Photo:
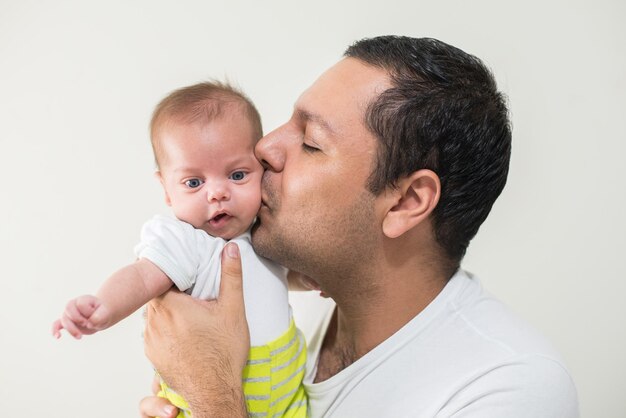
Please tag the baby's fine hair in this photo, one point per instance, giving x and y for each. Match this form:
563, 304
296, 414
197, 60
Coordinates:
202, 102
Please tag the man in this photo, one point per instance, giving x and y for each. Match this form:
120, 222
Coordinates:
373, 189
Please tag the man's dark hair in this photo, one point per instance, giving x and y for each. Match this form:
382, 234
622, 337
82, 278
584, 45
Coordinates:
443, 113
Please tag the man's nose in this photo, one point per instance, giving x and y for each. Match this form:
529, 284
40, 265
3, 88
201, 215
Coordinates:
270, 151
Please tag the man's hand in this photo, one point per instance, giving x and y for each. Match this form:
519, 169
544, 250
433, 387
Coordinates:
153, 406
200, 347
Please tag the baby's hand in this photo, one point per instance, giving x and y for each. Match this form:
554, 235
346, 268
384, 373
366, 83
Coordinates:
84, 315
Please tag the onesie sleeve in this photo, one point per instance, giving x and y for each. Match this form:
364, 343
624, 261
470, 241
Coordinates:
173, 246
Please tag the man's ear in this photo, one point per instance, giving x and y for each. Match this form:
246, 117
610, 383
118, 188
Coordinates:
159, 177
412, 201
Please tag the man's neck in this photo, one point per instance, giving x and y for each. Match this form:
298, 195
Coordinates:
360, 323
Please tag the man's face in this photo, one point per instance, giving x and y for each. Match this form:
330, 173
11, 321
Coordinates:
317, 216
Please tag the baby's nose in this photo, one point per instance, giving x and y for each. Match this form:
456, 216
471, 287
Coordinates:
217, 193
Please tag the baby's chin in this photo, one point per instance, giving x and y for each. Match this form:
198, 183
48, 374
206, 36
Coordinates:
228, 237
225, 235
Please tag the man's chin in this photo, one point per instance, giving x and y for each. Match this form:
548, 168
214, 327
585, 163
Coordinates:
258, 232
265, 245
255, 225
257, 229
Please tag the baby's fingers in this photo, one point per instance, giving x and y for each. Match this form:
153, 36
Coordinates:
73, 313
100, 319
71, 327
87, 305
56, 328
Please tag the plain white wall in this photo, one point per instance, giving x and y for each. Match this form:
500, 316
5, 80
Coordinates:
78, 81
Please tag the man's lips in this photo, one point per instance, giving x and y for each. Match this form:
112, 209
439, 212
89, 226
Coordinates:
264, 204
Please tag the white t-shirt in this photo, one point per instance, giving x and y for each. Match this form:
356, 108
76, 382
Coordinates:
191, 259
465, 355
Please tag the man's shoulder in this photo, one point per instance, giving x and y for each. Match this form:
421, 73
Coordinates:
465, 353
484, 355
527, 385
484, 322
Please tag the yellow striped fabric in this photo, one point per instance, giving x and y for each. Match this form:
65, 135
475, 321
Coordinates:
272, 379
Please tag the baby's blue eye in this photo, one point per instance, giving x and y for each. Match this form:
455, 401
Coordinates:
193, 183
238, 175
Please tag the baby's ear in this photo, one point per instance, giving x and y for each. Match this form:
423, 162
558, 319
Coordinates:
159, 177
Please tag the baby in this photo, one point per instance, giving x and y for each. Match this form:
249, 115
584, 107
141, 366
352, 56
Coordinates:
203, 138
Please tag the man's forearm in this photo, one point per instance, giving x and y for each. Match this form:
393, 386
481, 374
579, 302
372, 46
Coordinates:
223, 397
232, 404
200, 347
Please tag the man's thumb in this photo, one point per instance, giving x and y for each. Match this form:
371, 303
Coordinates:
231, 282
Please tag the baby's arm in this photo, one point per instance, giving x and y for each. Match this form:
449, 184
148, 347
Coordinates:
121, 294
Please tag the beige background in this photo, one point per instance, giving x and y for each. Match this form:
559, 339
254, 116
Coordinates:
79, 79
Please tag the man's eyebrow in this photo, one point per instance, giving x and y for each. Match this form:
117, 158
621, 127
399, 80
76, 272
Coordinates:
306, 116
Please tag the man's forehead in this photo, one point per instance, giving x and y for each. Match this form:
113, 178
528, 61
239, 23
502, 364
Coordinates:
306, 116
350, 84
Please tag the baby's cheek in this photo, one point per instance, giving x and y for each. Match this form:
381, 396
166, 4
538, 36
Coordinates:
186, 215
252, 202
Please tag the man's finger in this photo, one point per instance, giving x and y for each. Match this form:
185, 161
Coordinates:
152, 406
156, 384
231, 288
163, 303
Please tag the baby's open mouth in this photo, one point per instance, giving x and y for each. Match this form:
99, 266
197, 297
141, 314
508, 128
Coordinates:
219, 220
218, 217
